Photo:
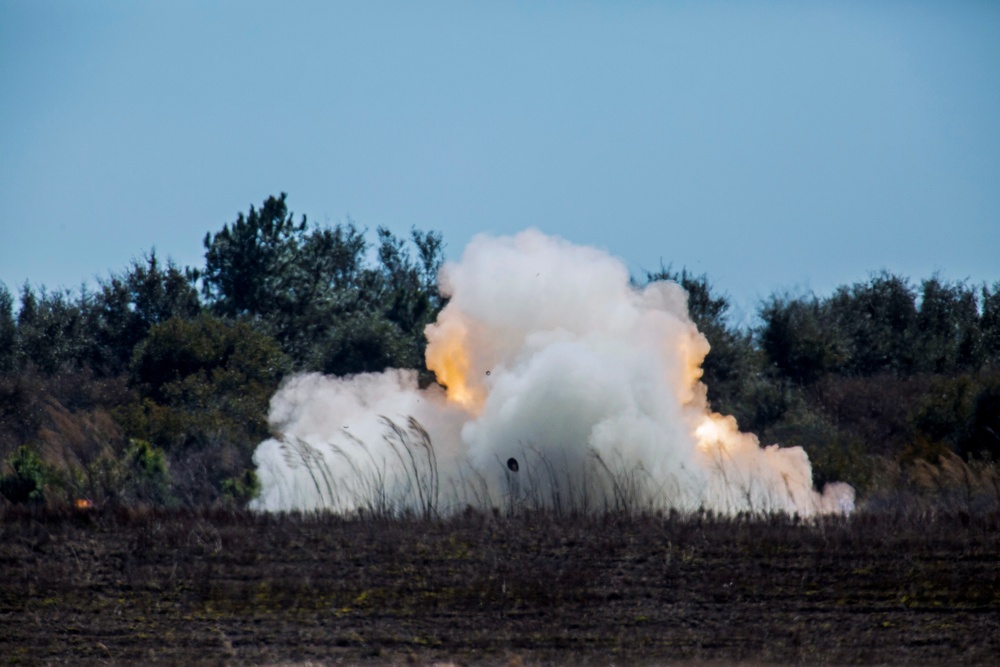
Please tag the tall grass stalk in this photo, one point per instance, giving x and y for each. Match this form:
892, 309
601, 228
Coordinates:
406, 480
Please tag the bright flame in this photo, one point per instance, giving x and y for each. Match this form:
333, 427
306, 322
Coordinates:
718, 432
448, 356
83, 504
708, 433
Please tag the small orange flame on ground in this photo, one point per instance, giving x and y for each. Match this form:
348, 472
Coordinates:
84, 504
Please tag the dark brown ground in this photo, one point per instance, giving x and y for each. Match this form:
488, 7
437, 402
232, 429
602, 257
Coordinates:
201, 588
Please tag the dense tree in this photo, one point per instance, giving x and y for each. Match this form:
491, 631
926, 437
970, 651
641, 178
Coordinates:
56, 331
947, 328
324, 283
52, 330
880, 326
800, 339
247, 264
989, 326
129, 304
204, 385
8, 330
314, 291
181, 357
876, 320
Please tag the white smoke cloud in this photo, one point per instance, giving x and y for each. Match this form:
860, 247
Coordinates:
551, 357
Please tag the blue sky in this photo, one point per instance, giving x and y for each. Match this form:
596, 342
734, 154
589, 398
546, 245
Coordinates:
773, 146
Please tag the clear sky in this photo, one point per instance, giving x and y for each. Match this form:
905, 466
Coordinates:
772, 145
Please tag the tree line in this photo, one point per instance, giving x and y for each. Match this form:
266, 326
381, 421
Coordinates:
153, 387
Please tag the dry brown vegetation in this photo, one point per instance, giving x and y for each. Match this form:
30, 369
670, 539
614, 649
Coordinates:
213, 587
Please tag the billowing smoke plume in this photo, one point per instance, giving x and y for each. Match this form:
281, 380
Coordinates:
566, 387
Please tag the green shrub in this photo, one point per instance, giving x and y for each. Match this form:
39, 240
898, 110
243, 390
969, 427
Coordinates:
27, 482
147, 477
241, 489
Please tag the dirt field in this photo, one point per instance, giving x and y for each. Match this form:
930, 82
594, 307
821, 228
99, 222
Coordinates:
218, 588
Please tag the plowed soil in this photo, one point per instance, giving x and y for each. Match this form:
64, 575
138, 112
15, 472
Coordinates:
192, 588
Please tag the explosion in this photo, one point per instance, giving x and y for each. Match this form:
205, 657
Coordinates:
547, 354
